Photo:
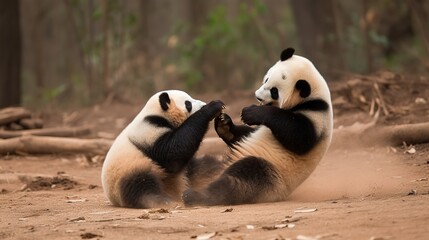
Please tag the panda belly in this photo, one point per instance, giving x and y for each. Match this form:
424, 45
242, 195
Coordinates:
118, 166
126, 169
290, 170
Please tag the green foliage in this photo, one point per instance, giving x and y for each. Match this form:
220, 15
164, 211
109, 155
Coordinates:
50, 94
229, 49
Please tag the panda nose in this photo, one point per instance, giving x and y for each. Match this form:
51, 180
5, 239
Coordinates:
259, 99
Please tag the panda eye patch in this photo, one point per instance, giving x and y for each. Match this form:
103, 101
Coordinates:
274, 93
188, 105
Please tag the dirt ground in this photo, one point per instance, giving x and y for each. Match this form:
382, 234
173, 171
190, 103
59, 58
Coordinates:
365, 193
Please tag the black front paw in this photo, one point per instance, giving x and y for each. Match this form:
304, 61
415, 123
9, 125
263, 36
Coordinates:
223, 126
252, 115
215, 108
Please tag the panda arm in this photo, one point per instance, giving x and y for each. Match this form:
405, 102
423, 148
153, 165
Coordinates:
294, 130
173, 150
229, 132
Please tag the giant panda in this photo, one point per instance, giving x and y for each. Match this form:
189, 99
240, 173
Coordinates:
147, 163
282, 142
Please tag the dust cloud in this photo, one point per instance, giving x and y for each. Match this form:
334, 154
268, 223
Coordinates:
355, 173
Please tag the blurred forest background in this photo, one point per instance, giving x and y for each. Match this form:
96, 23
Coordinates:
80, 52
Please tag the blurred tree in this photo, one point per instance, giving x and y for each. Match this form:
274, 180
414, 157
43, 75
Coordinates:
105, 59
318, 25
10, 54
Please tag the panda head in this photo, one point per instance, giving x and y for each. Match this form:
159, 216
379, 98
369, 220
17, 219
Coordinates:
175, 106
292, 80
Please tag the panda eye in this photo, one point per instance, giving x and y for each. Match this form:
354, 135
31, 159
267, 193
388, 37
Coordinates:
188, 105
274, 93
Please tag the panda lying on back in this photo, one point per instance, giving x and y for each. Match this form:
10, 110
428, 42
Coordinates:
293, 132
146, 165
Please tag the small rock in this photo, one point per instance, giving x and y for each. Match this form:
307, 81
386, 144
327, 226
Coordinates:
305, 210
412, 192
76, 200
158, 210
380, 238
158, 217
79, 219
412, 150
89, 235
206, 236
420, 100
268, 228
227, 210
280, 226
144, 216
291, 219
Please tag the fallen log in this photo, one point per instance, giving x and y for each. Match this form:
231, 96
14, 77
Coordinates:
355, 136
52, 132
12, 114
364, 136
31, 123
48, 145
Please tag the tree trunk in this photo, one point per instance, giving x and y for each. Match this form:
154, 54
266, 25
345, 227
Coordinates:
10, 54
315, 22
105, 59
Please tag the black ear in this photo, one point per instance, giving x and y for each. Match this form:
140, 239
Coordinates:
303, 88
164, 100
286, 54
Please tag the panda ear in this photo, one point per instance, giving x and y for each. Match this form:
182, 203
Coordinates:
164, 101
303, 87
286, 54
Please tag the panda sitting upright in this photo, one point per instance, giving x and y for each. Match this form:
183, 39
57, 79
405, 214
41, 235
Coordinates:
293, 132
146, 165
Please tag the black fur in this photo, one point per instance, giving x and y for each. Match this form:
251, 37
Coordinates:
286, 54
303, 87
164, 101
242, 182
294, 131
188, 105
206, 167
158, 121
173, 150
312, 105
137, 186
274, 93
229, 132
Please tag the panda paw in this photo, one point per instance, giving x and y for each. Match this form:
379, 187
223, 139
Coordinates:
192, 198
215, 108
252, 115
223, 125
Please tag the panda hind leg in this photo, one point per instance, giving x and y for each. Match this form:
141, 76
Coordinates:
243, 182
143, 190
200, 172
228, 131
